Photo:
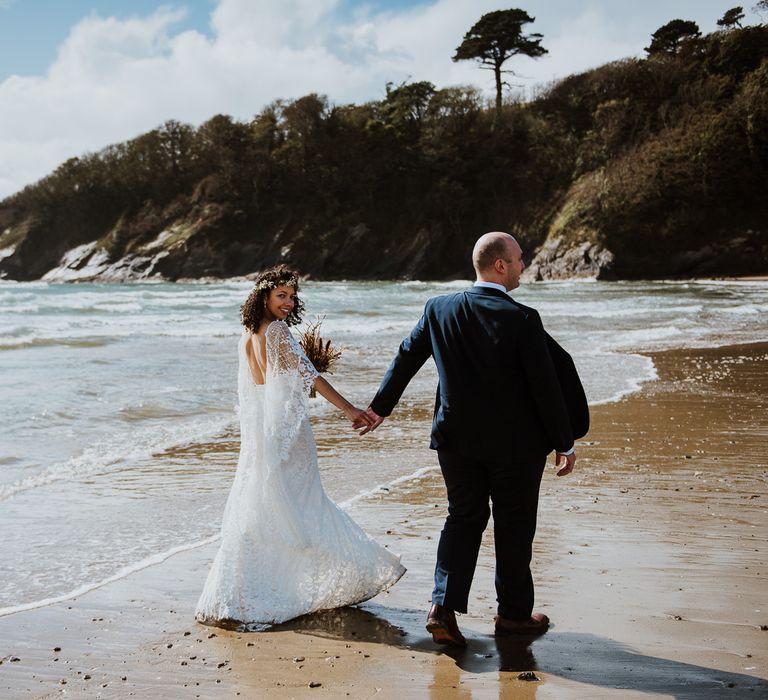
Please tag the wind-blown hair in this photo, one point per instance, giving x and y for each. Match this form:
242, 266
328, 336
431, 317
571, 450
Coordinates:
252, 311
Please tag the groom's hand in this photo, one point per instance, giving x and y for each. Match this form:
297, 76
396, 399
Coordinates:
358, 417
376, 421
569, 460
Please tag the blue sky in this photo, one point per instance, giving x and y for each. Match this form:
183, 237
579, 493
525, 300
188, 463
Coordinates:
77, 75
32, 30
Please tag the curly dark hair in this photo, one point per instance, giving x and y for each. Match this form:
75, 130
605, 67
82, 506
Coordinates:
252, 311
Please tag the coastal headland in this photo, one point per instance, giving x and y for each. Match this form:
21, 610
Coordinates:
641, 168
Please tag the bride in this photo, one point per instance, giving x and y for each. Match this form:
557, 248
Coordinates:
286, 548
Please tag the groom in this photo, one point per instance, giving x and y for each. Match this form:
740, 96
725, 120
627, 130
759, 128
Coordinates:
499, 411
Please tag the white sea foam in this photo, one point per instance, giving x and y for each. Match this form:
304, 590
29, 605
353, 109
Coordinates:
594, 311
126, 447
632, 383
377, 490
118, 306
31, 341
449, 284
122, 573
160, 557
113, 332
748, 309
22, 309
649, 338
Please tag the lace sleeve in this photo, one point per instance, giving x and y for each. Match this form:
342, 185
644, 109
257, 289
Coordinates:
284, 355
290, 376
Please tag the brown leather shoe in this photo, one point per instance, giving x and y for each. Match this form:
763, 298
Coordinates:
441, 623
537, 624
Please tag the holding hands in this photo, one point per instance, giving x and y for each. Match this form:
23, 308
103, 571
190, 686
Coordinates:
365, 419
359, 418
369, 421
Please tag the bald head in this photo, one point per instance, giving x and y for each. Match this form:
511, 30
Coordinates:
489, 248
498, 258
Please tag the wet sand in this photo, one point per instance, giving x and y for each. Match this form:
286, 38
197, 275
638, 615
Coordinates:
650, 560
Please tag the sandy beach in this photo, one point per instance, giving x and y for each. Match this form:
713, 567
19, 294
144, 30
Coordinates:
650, 559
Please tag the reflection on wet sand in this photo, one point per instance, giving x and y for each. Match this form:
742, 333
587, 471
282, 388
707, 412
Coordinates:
561, 659
349, 624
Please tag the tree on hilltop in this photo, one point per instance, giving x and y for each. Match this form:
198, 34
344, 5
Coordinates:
731, 18
408, 102
669, 38
496, 37
761, 7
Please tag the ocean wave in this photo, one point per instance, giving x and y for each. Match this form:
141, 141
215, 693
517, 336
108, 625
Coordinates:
647, 338
588, 311
746, 309
762, 283
115, 332
575, 282
160, 557
122, 573
22, 309
128, 447
37, 342
389, 485
448, 284
16, 296
143, 410
631, 384
609, 376
368, 325
118, 306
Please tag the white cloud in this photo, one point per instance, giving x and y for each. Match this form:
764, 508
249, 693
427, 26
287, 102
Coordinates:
114, 79
581, 43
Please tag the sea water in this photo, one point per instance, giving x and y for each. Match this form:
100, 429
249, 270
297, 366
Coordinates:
118, 424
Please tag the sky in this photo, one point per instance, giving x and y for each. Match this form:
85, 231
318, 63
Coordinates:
78, 75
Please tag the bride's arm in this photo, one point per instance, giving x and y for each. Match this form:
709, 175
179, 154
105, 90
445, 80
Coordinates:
354, 414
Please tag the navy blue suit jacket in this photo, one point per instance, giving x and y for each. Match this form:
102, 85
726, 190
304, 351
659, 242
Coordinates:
498, 394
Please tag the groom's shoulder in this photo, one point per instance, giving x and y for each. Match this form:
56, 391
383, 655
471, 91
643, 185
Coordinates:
523, 310
445, 300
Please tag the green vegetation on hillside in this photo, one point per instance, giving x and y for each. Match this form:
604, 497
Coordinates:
661, 161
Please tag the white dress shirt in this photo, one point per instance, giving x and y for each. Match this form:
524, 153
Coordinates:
491, 285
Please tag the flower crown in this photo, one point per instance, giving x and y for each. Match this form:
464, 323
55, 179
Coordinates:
291, 281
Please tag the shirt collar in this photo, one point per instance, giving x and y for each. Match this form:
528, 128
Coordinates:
490, 285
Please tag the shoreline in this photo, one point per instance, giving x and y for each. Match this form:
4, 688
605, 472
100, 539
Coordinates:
649, 559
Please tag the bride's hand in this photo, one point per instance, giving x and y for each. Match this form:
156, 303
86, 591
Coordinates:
359, 418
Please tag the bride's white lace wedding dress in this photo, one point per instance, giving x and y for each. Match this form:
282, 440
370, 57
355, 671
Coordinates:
286, 548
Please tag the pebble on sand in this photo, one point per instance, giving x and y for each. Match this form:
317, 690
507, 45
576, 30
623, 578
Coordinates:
527, 676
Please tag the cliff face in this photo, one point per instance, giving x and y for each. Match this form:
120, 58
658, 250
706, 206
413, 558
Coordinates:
204, 242
637, 169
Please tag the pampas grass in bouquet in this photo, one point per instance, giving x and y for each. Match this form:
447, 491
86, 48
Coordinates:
321, 353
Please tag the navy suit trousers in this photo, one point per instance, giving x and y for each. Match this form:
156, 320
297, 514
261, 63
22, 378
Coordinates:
476, 488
